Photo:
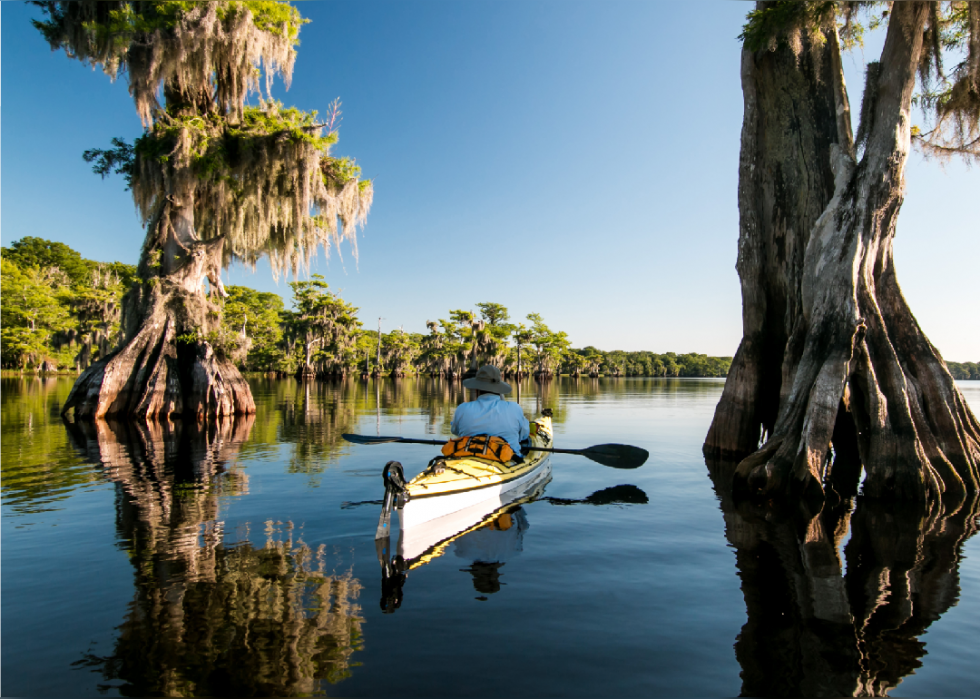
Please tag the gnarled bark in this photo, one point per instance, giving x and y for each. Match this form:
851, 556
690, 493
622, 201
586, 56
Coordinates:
260, 181
828, 336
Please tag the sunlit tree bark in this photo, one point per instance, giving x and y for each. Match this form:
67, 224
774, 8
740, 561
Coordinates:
831, 354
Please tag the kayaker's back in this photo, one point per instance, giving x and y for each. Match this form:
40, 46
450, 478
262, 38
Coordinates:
446, 475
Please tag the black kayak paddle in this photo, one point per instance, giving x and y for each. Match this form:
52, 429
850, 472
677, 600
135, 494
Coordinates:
614, 455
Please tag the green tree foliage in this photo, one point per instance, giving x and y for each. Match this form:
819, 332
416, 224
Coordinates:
548, 347
449, 344
593, 359
463, 327
45, 254
77, 319
365, 351
324, 326
38, 252
964, 371
520, 359
399, 350
619, 363
437, 349
35, 307
97, 308
76, 322
574, 363
253, 320
493, 333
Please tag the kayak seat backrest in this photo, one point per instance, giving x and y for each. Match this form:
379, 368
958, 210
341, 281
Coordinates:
481, 446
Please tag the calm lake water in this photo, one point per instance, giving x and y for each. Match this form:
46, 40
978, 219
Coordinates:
234, 559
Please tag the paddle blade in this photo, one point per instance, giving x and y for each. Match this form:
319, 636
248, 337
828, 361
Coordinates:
617, 455
362, 439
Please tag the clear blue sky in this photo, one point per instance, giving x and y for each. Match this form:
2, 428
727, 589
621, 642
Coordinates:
575, 159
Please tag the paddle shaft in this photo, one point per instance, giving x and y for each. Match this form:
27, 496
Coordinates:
614, 455
435, 442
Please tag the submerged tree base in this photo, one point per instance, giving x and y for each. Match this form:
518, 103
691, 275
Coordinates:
166, 367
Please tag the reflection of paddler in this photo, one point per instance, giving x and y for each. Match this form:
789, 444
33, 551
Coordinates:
486, 577
490, 546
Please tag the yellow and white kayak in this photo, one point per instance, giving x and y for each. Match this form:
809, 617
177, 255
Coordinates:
472, 483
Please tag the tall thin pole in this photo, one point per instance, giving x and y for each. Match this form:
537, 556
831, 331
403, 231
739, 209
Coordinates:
378, 362
518, 372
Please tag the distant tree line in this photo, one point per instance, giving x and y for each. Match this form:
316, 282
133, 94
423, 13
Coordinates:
61, 312
964, 370
58, 310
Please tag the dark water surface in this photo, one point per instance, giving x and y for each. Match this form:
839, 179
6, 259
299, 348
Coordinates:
229, 559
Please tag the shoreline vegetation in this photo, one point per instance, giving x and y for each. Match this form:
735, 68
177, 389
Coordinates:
62, 312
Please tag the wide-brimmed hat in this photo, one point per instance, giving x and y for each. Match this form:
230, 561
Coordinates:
488, 379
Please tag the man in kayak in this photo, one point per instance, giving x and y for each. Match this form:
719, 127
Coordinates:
490, 413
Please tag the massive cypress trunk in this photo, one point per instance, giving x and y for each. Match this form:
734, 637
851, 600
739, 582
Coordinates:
165, 365
831, 353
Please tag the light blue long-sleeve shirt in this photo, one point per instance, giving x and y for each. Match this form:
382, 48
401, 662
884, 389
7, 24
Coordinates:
491, 415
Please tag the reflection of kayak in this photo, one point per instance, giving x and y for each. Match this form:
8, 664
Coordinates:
473, 483
426, 540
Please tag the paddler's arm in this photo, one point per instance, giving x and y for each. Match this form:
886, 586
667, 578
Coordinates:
525, 427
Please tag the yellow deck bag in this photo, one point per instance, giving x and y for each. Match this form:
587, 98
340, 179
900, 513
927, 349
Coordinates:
480, 445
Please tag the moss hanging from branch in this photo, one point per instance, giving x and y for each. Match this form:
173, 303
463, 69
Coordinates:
267, 184
212, 51
951, 103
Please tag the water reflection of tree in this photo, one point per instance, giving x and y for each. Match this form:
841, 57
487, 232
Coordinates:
814, 630
210, 618
36, 469
312, 415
